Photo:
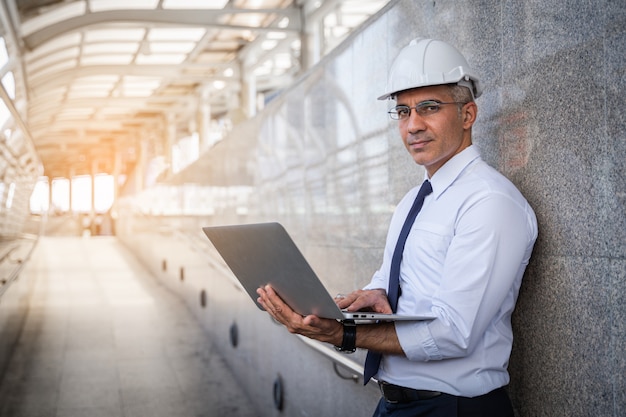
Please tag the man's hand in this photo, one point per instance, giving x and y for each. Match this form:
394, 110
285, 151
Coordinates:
324, 330
379, 337
365, 300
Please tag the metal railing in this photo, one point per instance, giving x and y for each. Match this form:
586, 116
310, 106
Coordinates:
15, 251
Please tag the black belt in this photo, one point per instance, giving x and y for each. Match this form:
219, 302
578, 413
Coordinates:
398, 394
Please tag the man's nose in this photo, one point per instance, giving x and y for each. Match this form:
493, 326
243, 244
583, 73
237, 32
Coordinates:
415, 122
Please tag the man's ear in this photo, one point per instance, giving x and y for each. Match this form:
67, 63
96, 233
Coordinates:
468, 114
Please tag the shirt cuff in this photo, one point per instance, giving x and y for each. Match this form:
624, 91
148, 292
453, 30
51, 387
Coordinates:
376, 285
417, 342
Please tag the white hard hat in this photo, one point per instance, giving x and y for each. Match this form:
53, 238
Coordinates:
426, 62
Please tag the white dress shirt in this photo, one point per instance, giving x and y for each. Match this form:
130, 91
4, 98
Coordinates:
463, 261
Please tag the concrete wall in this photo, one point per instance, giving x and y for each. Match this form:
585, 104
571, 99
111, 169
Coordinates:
330, 166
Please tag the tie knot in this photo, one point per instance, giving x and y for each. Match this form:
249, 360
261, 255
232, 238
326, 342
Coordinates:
426, 188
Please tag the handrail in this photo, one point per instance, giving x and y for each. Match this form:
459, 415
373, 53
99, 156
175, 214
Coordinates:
22, 239
7, 251
337, 358
6, 282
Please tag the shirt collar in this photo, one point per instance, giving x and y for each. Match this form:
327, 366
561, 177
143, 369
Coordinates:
445, 176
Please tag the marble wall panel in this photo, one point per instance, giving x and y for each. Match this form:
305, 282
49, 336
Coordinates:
563, 339
549, 119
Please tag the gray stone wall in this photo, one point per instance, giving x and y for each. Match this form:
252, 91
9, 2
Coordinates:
551, 119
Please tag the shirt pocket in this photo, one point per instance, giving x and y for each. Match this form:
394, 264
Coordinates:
429, 242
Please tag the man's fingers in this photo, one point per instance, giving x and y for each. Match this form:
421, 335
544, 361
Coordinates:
274, 305
266, 299
365, 300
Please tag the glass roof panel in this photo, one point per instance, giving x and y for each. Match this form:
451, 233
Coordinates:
160, 59
119, 34
283, 60
78, 111
219, 84
52, 93
113, 111
4, 115
258, 4
58, 67
102, 5
133, 86
70, 117
172, 47
89, 91
121, 59
84, 92
136, 92
264, 69
98, 81
176, 34
8, 81
269, 44
367, 7
54, 45
4, 55
143, 82
108, 47
91, 87
276, 35
56, 15
223, 45
60, 55
209, 57
194, 4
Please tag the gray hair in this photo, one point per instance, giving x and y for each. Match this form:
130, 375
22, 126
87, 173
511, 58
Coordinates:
460, 93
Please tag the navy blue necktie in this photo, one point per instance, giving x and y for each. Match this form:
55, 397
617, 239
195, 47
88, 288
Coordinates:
372, 361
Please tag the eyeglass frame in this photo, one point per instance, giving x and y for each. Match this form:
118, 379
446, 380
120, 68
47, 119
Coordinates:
419, 107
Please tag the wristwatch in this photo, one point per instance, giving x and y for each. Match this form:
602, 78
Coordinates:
348, 344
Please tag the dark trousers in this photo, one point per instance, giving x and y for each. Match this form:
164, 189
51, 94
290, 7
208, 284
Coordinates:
494, 404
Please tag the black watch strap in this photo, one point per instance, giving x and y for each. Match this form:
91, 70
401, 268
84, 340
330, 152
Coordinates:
348, 344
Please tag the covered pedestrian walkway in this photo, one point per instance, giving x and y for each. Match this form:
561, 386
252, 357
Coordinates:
103, 338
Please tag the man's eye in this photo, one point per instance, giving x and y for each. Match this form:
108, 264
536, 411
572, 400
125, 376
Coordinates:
429, 108
403, 111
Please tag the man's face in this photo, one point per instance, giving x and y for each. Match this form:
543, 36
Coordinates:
432, 139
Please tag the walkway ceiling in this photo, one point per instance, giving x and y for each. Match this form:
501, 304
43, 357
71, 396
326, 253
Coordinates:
101, 77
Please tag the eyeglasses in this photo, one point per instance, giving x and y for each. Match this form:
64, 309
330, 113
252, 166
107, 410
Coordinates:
424, 109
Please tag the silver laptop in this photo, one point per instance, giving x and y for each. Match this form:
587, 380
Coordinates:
264, 253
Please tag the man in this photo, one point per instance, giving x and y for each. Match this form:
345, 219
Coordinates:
463, 259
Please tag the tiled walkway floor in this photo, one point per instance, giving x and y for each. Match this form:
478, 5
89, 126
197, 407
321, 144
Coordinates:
102, 338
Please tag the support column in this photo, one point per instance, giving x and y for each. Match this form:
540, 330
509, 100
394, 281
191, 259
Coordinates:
71, 188
170, 141
140, 165
305, 59
117, 169
205, 119
94, 171
311, 35
49, 180
249, 88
